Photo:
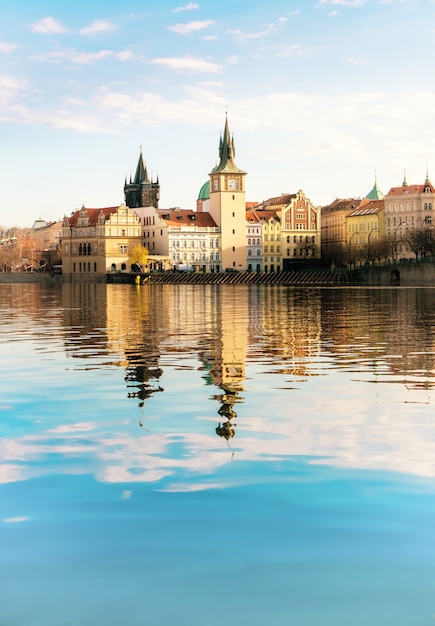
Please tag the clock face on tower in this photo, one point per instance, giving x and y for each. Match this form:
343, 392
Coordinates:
233, 184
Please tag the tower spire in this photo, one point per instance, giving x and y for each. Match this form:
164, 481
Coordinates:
226, 151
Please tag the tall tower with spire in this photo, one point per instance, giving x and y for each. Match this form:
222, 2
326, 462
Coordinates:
141, 190
228, 203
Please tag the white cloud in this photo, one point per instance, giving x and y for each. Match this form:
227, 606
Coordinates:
291, 51
354, 60
15, 520
99, 26
74, 56
188, 64
48, 26
188, 7
268, 29
241, 36
10, 88
185, 29
8, 47
344, 3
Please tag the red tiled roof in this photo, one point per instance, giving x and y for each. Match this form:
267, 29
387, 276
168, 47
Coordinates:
370, 207
406, 190
341, 205
93, 215
177, 217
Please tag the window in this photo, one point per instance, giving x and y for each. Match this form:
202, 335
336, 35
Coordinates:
123, 249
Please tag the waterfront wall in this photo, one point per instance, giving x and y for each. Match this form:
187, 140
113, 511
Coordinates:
407, 274
412, 274
30, 277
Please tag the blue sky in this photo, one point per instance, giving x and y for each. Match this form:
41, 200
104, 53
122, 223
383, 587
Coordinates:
320, 95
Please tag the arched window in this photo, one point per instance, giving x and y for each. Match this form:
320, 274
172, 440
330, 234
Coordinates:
80, 249
123, 266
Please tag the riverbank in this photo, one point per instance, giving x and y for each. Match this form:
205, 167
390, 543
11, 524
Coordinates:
411, 273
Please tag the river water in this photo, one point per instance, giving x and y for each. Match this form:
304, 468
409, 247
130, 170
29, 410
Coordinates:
202, 455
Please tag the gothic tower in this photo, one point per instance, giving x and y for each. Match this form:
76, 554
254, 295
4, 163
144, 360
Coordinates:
141, 191
228, 204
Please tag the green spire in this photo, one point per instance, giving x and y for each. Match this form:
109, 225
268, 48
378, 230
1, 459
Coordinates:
375, 193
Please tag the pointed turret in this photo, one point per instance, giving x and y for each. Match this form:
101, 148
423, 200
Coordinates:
405, 182
226, 152
141, 175
141, 190
375, 193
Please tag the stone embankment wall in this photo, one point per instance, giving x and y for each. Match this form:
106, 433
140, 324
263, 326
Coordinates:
412, 274
30, 277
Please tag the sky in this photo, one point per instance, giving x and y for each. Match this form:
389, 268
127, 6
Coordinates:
321, 95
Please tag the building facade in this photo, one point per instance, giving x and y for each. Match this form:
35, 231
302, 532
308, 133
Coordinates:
409, 211
184, 239
98, 241
300, 232
254, 242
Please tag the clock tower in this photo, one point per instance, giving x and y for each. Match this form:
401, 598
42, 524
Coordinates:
228, 204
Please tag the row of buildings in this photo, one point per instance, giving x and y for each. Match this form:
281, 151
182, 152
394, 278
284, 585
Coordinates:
225, 232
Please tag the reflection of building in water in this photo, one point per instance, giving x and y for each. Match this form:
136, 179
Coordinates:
133, 333
226, 354
386, 330
118, 321
289, 322
84, 313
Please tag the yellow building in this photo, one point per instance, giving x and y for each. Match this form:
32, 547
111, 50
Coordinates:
228, 204
98, 241
270, 221
366, 224
334, 234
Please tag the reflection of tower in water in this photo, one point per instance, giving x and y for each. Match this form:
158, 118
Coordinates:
142, 376
227, 355
134, 337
